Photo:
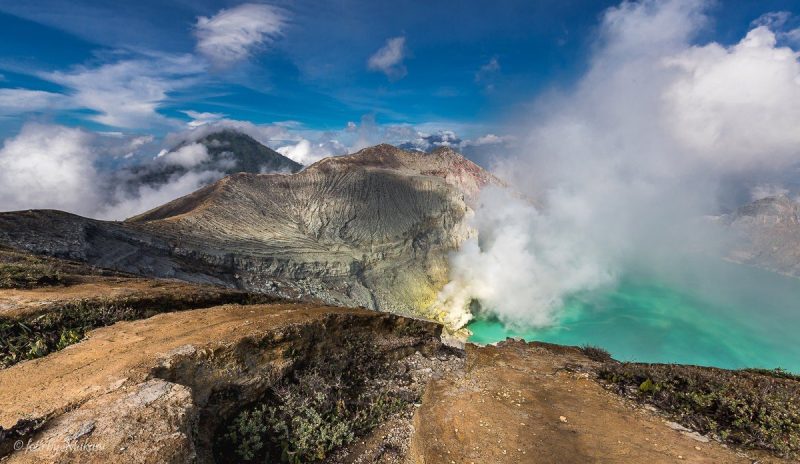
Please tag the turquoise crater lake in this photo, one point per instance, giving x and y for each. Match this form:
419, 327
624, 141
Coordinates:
710, 313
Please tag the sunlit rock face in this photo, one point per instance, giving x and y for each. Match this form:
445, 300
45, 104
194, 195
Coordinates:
766, 233
371, 229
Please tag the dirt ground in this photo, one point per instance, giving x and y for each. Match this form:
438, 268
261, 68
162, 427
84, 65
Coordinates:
534, 403
19, 303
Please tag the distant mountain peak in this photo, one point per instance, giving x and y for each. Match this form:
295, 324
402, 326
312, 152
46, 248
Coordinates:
244, 153
777, 206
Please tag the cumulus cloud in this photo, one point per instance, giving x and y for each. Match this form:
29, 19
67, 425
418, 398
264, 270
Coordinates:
389, 59
234, 34
55, 167
187, 156
622, 164
48, 166
785, 25
307, 152
732, 105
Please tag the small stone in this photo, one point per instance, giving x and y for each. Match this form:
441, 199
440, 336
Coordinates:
562, 418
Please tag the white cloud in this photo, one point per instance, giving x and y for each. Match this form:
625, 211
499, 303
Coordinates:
518, 265
487, 73
16, 101
48, 166
736, 106
233, 34
306, 152
56, 167
127, 93
202, 118
267, 134
774, 20
389, 58
489, 139
187, 156
146, 197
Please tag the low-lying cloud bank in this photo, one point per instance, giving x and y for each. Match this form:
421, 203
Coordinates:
622, 164
56, 167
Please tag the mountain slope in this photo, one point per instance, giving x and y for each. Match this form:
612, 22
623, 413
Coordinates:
224, 152
766, 233
371, 229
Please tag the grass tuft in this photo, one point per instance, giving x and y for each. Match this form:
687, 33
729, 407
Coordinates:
595, 353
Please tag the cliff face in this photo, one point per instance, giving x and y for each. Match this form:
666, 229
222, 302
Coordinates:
766, 233
371, 229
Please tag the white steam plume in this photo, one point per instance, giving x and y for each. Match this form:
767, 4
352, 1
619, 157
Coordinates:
624, 163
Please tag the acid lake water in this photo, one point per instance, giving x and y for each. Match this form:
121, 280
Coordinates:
708, 313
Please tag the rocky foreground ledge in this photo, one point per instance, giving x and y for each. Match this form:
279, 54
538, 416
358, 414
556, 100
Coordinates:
157, 390
175, 387
100, 367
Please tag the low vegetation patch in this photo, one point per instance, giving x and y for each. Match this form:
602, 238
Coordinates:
24, 270
68, 323
751, 408
595, 353
320, 407
28, 275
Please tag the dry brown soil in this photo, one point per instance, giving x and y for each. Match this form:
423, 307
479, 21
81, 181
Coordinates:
537, 403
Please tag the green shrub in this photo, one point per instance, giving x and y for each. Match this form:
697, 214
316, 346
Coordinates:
66, 324
319, 408
649, 387
750, 408
595, 353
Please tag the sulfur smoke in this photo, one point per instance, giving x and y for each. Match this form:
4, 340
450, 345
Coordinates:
619, 169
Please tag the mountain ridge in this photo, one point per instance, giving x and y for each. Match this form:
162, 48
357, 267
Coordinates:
370, 229
766, 233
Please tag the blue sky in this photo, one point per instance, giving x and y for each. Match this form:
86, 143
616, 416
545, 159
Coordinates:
464, 68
